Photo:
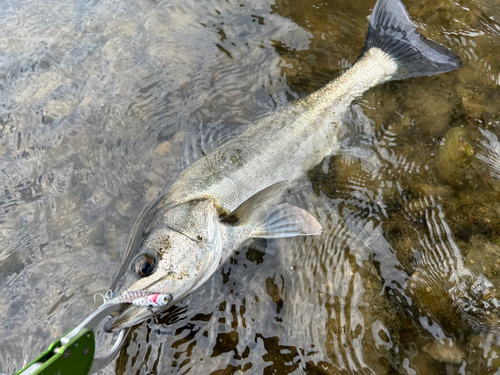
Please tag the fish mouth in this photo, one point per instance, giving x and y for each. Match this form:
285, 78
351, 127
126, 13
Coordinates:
131, 316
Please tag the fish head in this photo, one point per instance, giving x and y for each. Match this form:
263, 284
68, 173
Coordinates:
181, 247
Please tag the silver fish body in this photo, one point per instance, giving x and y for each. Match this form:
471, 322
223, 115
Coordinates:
230, 195
281, 146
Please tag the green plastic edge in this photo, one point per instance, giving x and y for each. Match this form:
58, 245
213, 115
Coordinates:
75, 363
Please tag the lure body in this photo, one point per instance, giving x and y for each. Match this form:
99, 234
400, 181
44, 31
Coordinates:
143, 299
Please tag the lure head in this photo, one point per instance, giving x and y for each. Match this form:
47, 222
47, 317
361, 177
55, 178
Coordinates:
163, 300
178, 250
147, 299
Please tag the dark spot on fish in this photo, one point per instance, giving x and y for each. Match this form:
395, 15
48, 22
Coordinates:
214, 178
163, 248
236, 158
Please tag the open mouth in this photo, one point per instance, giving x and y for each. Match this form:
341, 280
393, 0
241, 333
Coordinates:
138, 306
131, 316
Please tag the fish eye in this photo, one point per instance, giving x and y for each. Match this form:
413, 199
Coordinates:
144, 264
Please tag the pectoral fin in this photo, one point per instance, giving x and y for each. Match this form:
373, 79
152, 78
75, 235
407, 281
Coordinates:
257, 204
286, 220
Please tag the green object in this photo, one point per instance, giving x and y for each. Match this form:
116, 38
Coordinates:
73, 358
73, 354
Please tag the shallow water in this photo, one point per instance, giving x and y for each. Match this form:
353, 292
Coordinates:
103, 103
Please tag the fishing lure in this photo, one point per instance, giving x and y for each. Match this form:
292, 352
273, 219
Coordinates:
143, 299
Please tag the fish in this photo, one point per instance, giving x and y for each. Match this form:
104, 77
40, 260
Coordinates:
234, 193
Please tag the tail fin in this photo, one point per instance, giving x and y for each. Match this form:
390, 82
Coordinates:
392, 31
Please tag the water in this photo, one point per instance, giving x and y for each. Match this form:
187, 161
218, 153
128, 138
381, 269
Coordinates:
103, 103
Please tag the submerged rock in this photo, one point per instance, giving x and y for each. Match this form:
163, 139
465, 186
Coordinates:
432, 110
474, 213
40, 87
56, 109
445, 351
473, 102
163, 148
455, 154
483, 257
